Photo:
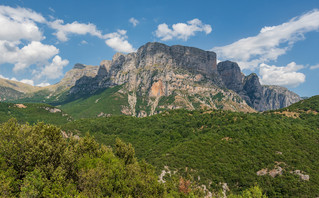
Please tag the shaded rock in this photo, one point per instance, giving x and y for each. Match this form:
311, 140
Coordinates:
257, 96
231, 75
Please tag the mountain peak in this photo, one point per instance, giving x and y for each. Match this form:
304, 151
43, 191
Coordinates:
159, 77
78, 66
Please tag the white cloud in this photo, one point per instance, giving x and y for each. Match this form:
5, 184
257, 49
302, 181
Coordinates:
27, 81
3, 77
21, 42
53, 70
22, 58
19, 23
64, 30
51, 9
182, 30
118, 41
270, 43
134, 21
314, 67
43, 84
283, 76
21, 14
84, 42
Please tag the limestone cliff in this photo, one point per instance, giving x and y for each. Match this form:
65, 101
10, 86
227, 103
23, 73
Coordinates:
159, 77
249, 88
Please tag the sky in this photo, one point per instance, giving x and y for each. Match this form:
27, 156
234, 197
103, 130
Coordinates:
40, 40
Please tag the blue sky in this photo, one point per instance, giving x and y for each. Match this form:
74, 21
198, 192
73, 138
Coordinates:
40, 40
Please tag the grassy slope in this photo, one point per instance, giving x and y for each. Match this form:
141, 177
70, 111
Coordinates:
182, 139
32, 114
108, 101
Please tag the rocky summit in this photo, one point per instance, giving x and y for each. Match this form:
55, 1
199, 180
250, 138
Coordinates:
259, 97
158, 77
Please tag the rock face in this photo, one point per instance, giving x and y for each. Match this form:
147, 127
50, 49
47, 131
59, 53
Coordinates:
249, 88
231, 75
189, 75
78, 71
159, 77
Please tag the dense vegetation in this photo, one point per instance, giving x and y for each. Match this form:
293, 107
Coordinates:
32, 113
37, 161
109, 101
305, 105
221, 147
203, 147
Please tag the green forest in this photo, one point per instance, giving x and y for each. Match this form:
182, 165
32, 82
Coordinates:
272, 154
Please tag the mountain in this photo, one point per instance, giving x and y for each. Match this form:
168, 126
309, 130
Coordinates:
259, 97
13, 90
158, 77
17, 91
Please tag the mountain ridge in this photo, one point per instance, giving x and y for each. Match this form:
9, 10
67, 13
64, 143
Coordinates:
158, 77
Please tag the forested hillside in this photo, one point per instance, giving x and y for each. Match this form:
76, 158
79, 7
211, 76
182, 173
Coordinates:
275, 152
33, 113
279, 153
37, 161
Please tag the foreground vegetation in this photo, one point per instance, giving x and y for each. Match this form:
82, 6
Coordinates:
197, 147
37, 161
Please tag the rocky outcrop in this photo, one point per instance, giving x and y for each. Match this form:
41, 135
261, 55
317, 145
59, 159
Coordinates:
276, 97
257, 96
157, 70
231, 75
159, 77
78, 71
191, 59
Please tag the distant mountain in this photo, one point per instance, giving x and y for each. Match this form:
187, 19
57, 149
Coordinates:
13, 90
260, 97
155, 78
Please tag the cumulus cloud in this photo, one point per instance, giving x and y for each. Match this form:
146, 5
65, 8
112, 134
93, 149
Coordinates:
27, 81
64, 30
21, 42
43, 84
314, 67
33, 53
84, 42
20, 23
283, 76
118, 41
181, 30
270, 43
134, 21
53, 70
